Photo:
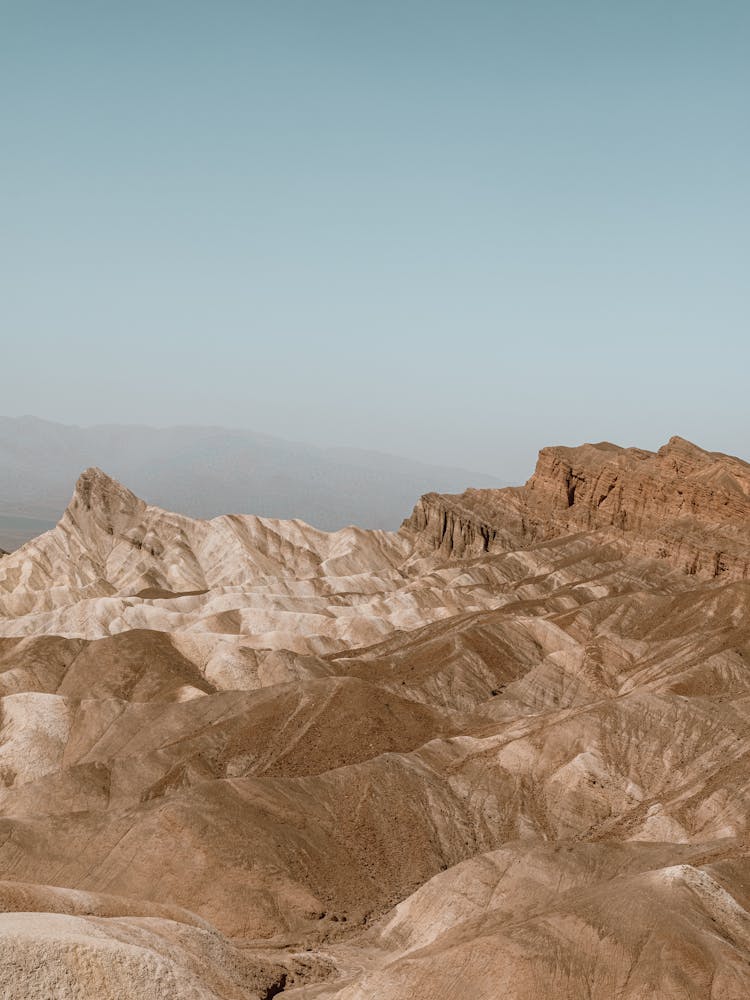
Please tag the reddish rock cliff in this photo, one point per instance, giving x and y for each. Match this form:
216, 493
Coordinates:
683, 504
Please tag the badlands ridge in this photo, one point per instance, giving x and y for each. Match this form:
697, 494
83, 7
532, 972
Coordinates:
503, 752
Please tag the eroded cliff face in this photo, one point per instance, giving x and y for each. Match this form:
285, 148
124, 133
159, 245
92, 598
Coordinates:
688, 506
469, 524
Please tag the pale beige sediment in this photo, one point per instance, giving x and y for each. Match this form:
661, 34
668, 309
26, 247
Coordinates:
502, 752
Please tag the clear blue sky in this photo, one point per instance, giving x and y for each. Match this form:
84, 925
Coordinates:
457, 231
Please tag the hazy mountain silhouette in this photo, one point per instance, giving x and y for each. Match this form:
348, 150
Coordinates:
205, 471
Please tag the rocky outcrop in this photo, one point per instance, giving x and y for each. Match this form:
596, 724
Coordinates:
471, 524
682, 504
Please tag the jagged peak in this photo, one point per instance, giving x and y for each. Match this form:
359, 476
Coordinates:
95, 491
677, 443
606, 446
681, 446
676, 440
602, 452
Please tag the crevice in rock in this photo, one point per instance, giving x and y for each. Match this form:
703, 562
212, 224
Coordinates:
275, 988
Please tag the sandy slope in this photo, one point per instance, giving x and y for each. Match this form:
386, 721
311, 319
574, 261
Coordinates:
501, 753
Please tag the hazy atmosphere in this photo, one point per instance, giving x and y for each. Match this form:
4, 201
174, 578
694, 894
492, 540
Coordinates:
456, 232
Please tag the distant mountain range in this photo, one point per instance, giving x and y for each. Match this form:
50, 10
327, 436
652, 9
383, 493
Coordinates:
206, 471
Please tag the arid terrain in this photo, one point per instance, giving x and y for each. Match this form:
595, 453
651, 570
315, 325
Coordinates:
501, 754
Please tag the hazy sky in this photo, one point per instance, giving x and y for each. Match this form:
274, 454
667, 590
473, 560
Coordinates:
452, 230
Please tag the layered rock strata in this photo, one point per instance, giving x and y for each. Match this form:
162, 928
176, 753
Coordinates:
682, 504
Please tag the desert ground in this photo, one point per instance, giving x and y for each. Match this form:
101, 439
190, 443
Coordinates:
502, 752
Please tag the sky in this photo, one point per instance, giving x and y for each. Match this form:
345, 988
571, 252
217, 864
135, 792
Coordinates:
455, 231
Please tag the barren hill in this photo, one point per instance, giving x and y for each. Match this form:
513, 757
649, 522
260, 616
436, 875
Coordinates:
502, 752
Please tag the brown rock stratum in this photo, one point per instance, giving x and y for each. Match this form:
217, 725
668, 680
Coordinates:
501, 753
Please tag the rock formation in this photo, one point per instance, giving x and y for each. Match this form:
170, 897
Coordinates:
501, 752
683, 504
